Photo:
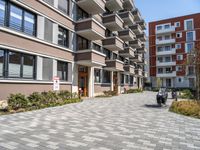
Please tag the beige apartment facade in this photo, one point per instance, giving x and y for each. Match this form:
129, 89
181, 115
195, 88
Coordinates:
91, 45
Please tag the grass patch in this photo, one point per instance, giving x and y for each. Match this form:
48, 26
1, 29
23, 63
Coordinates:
188, 108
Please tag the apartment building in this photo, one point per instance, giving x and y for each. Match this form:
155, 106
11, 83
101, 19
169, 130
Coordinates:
171, 43
91, 45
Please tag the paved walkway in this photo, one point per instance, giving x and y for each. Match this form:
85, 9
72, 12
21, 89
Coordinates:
129, 122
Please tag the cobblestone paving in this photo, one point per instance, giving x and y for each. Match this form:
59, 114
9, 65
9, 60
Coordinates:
128, 122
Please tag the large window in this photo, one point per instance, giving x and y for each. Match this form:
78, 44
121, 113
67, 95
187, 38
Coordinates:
16, 65
190, 36
48, 31
97, 75
107, 53
189, 47
63, 5
17, 18
81, 14
106, 76
63, 37
2, 58
62, 68
96, 47
2, 12
82, 43
189, 24
47, 69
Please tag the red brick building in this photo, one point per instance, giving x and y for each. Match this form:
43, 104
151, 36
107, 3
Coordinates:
170, 42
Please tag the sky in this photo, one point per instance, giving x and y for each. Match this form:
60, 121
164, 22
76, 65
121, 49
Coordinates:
152, 10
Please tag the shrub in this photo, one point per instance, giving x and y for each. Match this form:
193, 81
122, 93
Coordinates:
186, 94
188, 108
110, 93
36, 99
50, 98
65, 95
17, 101
134, 91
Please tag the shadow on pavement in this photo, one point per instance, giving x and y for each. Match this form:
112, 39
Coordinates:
154, 106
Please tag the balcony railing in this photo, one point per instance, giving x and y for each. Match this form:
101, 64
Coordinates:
114, 5
136, 28
136, 43
113, 22
137, 15
127, 35
128, 4
166, 74
128, 52
129, 69
114, 65
90, 29
167, 41
127, 17
168, 30
113, 43
166, 52
170, 63
92, 6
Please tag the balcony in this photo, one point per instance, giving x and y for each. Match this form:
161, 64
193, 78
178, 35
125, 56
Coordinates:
166, 52
137, 58
143, 62
127, 52
166, 75
136, 28
114, 65
128, 4
143, 49
127, 35
95, 7
129, 69
127, 17
142, 37
171, 29
142, 23
135, 44
139, 72
113, 43
162, 42
162, 64
90, 29
113, 22
114, 5
137, 15
90, 57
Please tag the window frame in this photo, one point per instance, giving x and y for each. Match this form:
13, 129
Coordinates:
64, 32
95, 75
63, 67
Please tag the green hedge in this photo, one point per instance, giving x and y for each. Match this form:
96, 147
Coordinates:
134, 91
40, 100
186, 94
187, 108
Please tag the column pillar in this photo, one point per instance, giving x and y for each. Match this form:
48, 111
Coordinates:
118, 84
91, 81
40, 27
112, 82
39, 68
74, 77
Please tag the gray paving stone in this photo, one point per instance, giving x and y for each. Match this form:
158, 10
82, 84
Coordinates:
124, 122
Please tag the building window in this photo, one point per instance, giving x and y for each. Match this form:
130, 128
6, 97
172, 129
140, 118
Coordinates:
97, 75
167, 37
107, 53
106, 76
191, 70
96, 47
179, 57
2, 58
178, 46
177, 24
48, 30
16, 65
189, 24
179, 68
168, 70
160, 49
160, 59
127, 79
81, 14
22, 20
167, 59
131, 80
159, 28
62, 70
189, 47
50, 2
190, 36
82, 43
167, 48
180, 80
122, 78
63, 37
63, 5
2, 12
160, 70
167, 26
179, 35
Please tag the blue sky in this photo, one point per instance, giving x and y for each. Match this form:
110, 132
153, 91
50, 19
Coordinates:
152, 10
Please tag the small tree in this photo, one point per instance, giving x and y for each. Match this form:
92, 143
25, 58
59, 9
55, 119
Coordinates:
194, 60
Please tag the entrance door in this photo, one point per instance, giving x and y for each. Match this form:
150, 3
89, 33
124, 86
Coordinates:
168, 82
83, 80
115, 82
